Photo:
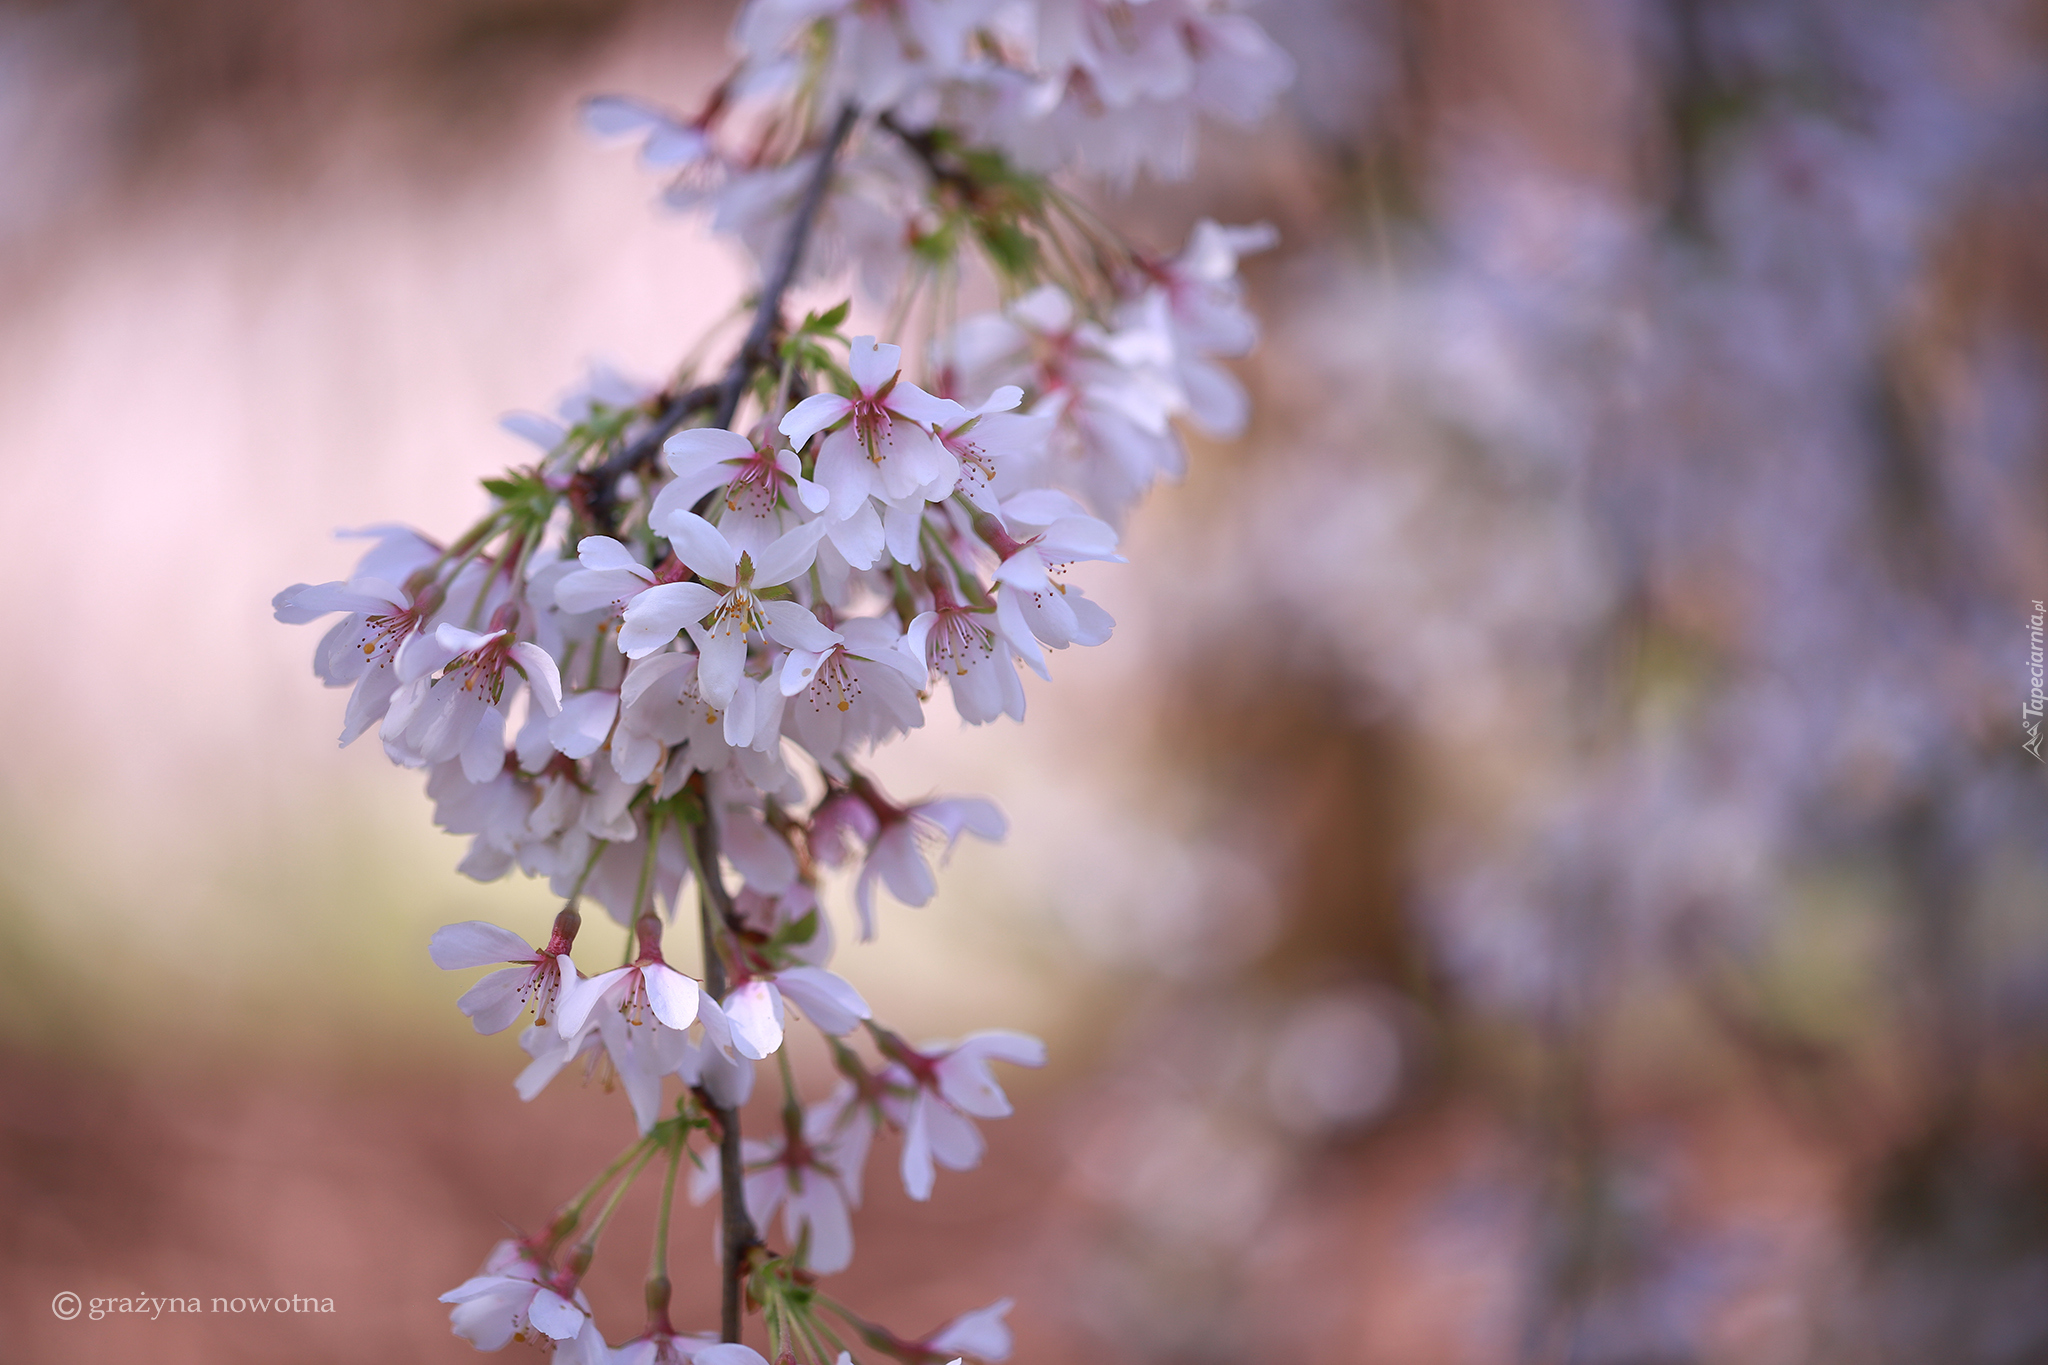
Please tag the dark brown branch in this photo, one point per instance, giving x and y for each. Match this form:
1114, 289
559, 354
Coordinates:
740, 1235
926, 148
604, 480
757, 350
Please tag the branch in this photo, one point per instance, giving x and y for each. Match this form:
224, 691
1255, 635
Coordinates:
604, 480
741, 1236
756, 350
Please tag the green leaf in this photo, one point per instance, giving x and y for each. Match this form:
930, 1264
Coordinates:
797, 931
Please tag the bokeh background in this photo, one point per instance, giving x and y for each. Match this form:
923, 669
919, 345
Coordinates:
1547, 870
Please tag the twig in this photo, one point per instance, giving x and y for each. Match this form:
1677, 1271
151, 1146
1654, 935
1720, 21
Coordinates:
756, 350
604, 480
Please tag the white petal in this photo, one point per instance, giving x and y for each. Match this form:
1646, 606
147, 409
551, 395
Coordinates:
580, 726
727, 1353
824, 1209
1002, 400
698, 544
655, 616
974, 815
811, 416
456, 640
645, 673
544, 432
1041, 507
791, 624
580, 999
555, 1315
755, 1013
617, 116
597, 589
1017, 631
602, 552
982, 1333
902, 532
476, 943
762, 856
495, 1001
787, 555
688, 451
541, 674
857, 537
483, 753
739, 714
919, 406
799, 667
828, 999
916, 1163
872, 366
721, 659
303, 602
672, 995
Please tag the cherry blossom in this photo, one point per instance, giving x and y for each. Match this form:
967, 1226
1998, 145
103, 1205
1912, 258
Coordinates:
981, 1333
609, 577
359, 650
936, 1093
896, 852
861, 691
995, 446
515, 1298
641, 1011
886, 448
635, 674
978, 661
654, 617
498, 999
759, 491
755, 1008
458, 709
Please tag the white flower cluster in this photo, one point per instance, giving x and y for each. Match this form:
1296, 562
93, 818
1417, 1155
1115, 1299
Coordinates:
662, 655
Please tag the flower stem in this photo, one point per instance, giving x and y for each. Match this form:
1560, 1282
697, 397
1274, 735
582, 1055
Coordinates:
658, 1287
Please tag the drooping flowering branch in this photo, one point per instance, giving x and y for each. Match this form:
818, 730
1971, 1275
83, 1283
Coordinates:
631, 674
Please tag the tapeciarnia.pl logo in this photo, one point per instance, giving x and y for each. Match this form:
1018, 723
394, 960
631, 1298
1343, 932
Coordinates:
2037, 697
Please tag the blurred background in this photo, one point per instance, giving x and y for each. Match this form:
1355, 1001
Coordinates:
1547, 870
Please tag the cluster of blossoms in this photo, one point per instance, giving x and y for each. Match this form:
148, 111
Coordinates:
660, 657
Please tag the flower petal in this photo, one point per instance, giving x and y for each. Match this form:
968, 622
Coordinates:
755, 1013
672, 995
812, 416
787, 555
602, 552
791, 624
655, 616
555, 1315
476, 943
541, 674
872, 366
698, 544
580, 999
919, 406
827, 998
495, 1001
